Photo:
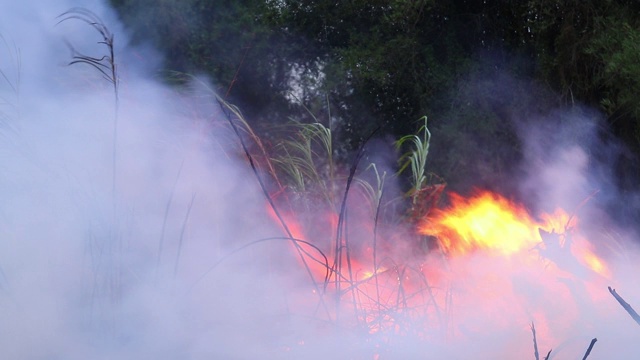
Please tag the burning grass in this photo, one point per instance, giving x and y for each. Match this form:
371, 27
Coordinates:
425, 273
347, 261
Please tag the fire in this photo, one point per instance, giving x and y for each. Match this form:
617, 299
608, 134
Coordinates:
595, 263
486, 221
491, 223
432, 296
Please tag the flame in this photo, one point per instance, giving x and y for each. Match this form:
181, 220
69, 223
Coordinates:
595, 263
545, 252
491, 223
486, 221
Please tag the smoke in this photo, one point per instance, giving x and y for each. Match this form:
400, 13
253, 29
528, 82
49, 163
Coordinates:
568, 159
103, 262
569, 162
157, 257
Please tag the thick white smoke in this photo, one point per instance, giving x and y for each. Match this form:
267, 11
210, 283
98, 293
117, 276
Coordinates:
93, 269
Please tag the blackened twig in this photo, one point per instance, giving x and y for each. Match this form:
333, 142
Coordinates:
625, 305
535, 342
593, 342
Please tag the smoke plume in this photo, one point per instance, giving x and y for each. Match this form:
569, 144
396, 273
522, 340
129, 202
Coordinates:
132, 225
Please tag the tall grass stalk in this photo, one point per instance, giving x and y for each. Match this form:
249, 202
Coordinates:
416, 158
166, 218
13, 82
318, 131
231, 112
379, 193
244, 128
352, 289
375, 194
182, 232
535, 342
306, 161
324, 262
336, 268
107, 67
299, 160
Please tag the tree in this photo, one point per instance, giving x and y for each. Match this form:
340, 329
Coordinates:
363, 64
226, 40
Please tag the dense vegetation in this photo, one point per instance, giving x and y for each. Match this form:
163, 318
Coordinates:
471, 66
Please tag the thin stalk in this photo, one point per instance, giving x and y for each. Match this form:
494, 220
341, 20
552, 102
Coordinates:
350, 270
378, 197
227, 109
625, 305
593, 342
166, 217
330, 154
318, 132
235, 76
276, 238
535, 342
580, 205
401, 291
416, 158
432, 297
343, 208
106, 66
375, 251
184, 227
16, 62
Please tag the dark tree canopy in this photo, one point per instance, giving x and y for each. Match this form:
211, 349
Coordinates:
470, 66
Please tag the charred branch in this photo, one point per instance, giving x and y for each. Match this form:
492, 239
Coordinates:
625, 305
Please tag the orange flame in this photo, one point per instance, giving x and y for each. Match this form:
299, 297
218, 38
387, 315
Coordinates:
391, 296
486, 221
495, 225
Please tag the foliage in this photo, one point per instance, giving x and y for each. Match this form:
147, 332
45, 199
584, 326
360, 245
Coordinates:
304, 158
381, 58
588, 51
226, 40
416, 158
617, 48
382, 63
